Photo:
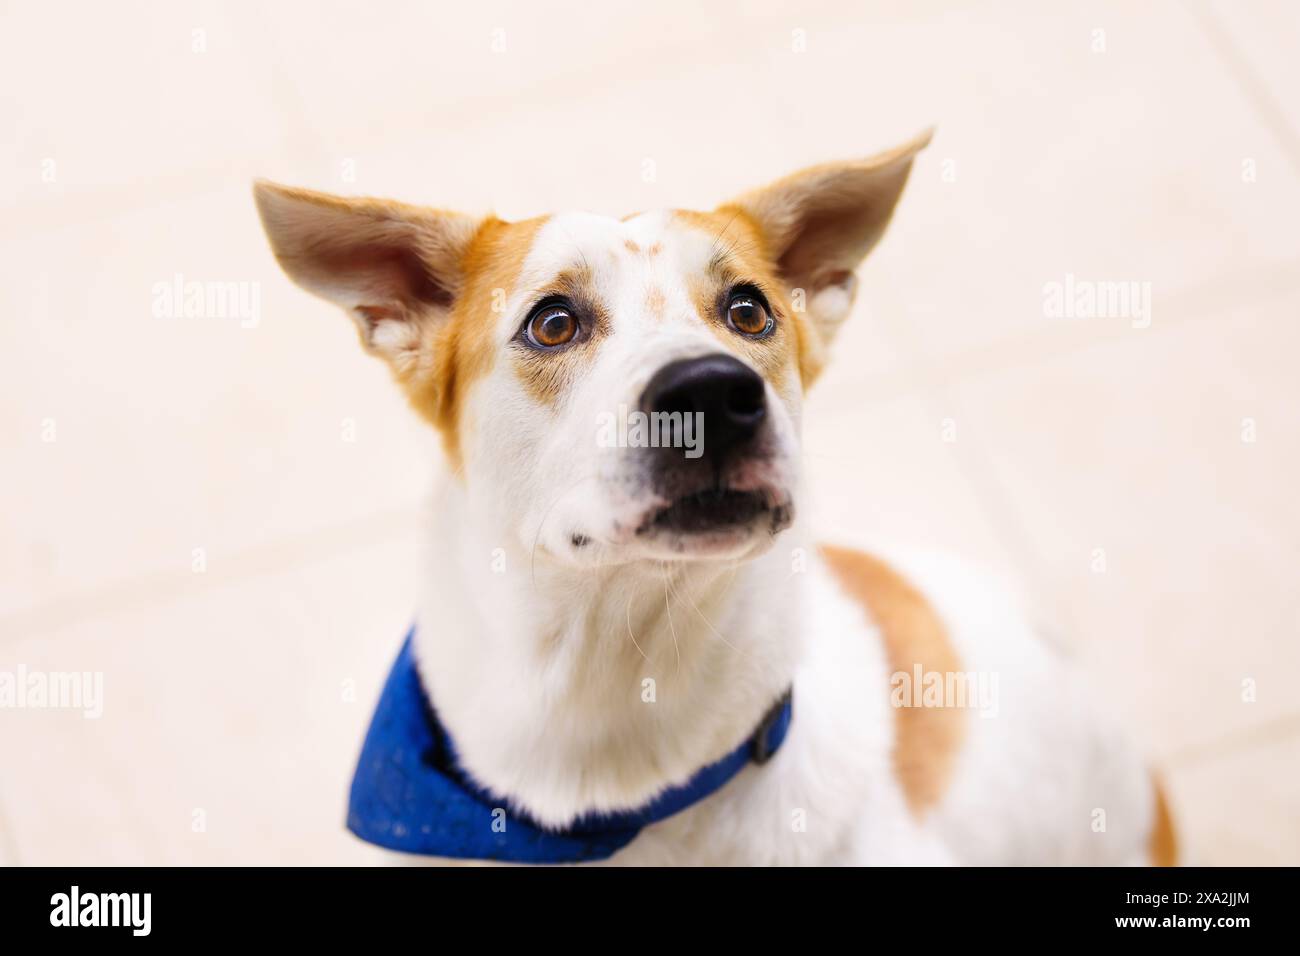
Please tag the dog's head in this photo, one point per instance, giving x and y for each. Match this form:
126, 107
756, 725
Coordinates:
617, 389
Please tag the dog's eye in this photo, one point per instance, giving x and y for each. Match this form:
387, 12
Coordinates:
551, 326
747, 314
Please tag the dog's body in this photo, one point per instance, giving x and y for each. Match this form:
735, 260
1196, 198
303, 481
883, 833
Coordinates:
527, 683
598, 623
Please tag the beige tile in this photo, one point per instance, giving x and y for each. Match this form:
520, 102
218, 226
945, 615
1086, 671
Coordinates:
1052, 160
171, 435
129, 101
175, 434
1239, 809
490, 104
611, 147
1257, 41
1132, 453
245, 703
8, 846
883, 474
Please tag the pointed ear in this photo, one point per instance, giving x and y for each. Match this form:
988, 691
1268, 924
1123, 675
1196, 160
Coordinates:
820, 223
396, 269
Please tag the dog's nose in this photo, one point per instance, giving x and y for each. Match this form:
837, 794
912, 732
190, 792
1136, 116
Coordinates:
726, 392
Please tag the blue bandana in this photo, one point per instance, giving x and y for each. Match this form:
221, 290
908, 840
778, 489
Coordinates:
409, 793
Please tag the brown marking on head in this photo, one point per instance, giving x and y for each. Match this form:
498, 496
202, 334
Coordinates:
927, 738
817, 226
415, 280
423, 284
546, 375
463, 350
656, 302
739, 257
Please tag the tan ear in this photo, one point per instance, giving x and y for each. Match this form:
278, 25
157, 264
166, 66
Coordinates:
820, 223
394, 268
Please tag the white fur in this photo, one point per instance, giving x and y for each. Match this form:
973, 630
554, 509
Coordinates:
537, 656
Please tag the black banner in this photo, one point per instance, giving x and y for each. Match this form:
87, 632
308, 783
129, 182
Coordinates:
339, 905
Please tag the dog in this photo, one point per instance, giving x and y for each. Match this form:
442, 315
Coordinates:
633, 651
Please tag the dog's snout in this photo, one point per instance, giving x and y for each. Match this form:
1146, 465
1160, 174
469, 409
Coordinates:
726, 393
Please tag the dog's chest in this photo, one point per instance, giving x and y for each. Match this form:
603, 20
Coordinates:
830, 796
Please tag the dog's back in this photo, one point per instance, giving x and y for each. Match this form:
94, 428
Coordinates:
1001, 751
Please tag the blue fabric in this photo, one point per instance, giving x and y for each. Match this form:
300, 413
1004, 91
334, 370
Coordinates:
409, 794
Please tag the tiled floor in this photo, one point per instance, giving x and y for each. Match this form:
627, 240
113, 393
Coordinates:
1136, 477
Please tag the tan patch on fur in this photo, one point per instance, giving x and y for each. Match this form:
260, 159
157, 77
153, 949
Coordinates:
655, 249
462, 349
546, 375
928, 738
656, 302
1162, 845
631, 246
741, 255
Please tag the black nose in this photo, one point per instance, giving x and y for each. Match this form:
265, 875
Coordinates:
725, 391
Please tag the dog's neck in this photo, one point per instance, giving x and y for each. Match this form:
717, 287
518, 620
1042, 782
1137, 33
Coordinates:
571, 689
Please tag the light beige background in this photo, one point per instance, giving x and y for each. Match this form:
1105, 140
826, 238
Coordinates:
1111, 141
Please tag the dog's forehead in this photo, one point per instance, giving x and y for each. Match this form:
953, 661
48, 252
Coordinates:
605, 249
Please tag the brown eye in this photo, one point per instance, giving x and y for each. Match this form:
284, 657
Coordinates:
552, 326
747, 314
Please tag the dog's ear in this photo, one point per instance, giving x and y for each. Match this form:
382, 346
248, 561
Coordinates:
819, 224
396, 269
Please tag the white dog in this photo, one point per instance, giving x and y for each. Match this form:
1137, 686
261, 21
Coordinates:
627, 649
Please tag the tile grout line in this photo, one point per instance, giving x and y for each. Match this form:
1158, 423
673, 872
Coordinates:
917, 378
1277, 730
939, 376
197, 181
928, 376
1251, 84
1015, 352
141, 590
973, 466
1032, 347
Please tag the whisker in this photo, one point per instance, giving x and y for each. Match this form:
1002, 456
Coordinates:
707, 622
671, 627
628, 614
